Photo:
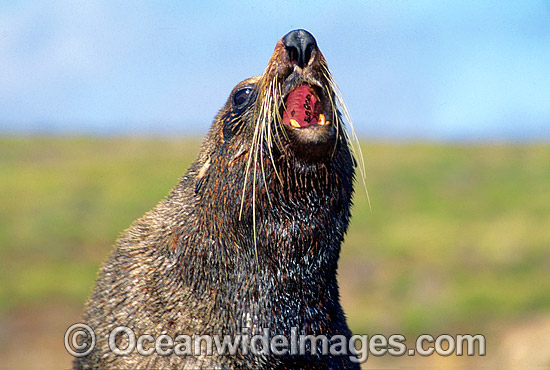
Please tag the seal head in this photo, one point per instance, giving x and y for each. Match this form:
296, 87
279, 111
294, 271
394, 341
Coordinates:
293, 104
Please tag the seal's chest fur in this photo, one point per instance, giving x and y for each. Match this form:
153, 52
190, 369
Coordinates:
248, 241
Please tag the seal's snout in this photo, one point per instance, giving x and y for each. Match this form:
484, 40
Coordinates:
306, 103
299, 45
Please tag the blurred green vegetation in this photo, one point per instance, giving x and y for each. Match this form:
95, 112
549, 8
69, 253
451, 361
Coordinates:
458, 235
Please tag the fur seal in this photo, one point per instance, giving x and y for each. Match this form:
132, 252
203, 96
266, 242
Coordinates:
248, 241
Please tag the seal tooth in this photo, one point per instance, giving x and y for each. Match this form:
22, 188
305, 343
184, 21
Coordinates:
321, 120
294, 123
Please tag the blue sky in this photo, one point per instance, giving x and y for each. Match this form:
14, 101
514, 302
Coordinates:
477, 70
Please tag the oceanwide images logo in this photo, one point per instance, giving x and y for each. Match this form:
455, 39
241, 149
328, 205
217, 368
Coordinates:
80, 340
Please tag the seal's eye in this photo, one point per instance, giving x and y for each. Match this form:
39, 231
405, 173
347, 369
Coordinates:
241, 96
240, 100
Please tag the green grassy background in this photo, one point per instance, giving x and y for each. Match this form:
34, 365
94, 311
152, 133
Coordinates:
458, 238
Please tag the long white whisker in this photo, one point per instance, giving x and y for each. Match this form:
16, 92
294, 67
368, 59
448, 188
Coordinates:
355, 145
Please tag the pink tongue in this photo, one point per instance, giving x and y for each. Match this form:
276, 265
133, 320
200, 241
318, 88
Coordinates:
302, 106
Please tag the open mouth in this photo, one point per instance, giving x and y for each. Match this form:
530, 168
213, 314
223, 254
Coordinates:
303, 107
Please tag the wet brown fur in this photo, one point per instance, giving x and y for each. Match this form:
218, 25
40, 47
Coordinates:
249, 238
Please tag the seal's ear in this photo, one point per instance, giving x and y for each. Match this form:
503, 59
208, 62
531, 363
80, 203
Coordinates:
202, 175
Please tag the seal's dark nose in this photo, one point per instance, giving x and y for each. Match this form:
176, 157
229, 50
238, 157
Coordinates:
299, 45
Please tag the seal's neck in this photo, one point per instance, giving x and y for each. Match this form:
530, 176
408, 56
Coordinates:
278, 247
